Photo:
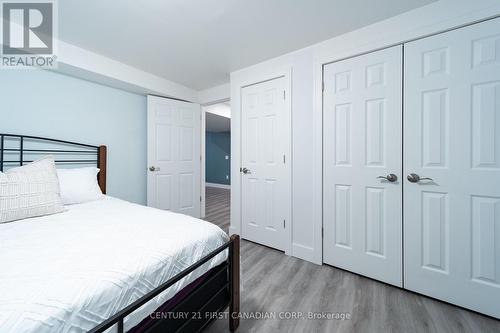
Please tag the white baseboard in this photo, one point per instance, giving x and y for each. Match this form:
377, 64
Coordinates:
228, 187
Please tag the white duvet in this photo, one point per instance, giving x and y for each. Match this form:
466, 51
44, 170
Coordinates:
70, 271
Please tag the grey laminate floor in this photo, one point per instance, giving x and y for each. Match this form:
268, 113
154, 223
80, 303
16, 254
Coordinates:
275, 284
217, 206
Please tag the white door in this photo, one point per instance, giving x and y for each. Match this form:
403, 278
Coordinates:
362, 216
174, 155
265, 176
452, 135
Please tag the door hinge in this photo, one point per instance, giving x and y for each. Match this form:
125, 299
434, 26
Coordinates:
323, 86
322, 232
284, 159
284, 94
200, 198
284, 224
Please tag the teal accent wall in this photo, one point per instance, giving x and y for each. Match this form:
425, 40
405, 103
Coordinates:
48, 104
218, 146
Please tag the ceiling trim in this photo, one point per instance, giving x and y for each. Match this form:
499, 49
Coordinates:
79, 62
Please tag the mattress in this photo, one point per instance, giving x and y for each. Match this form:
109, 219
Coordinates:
70, 271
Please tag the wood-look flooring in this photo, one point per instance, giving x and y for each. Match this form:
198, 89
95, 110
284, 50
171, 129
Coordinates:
217, 206
273, 283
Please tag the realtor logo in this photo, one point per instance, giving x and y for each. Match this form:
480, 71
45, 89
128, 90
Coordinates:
28, 34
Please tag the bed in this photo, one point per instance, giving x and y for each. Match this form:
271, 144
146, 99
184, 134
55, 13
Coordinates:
110, 265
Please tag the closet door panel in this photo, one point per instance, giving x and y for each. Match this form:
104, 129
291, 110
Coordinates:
452, 136
362, 141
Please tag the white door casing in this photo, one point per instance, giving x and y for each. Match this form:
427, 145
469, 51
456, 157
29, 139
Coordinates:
174, 155
265, 142
361, 141
452, 135
203, 201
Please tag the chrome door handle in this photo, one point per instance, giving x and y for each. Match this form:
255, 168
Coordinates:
390, 177
245, 171
153, 168
414, 178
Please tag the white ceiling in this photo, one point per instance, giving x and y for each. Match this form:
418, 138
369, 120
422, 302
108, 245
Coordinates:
199, 42
218, 117
216, 123
220, 109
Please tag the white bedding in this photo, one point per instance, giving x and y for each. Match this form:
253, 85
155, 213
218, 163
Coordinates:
68, 272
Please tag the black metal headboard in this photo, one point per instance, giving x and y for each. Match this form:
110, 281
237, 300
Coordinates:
16, 150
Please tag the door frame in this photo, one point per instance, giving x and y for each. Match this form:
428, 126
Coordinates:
203, 153
236, 147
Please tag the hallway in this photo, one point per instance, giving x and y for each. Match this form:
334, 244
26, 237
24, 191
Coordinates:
218, 207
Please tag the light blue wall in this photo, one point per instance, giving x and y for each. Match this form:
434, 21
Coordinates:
47, 104
218, 146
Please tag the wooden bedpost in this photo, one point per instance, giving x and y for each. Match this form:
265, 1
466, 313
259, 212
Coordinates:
101, 164
234, 286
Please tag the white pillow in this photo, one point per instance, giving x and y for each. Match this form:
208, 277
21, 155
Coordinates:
29, 191
79, 185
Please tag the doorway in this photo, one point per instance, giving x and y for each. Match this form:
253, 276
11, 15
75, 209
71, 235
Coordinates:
216, 163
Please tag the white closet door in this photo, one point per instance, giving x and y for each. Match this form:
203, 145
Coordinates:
452, 135
265, 177
362, 142
174, 165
